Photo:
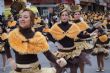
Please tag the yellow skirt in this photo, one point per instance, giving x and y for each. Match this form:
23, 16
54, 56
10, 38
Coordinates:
68, 55
83, 45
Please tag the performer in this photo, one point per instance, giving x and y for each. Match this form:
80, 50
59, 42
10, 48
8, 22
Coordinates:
64, 34
3, 37
101, 49
85, 30
26, 44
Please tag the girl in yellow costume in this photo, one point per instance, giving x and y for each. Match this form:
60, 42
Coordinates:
86, 31
26, 44
63, 34
101, 49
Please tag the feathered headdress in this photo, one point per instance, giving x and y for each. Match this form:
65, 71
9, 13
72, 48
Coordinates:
16, 6
69, 7
63, 7
75, 8
22, 1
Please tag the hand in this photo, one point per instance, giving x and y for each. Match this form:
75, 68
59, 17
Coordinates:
61, 62
97, 25
93, 34
12, 63
8, 30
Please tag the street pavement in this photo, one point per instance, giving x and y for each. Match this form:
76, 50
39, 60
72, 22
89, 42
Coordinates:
45, 63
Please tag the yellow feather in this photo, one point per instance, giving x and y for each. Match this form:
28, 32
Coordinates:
11, 24
82, 25
103, 38
59, 34
35, 45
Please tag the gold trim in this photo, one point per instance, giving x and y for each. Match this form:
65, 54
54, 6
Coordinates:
28, 65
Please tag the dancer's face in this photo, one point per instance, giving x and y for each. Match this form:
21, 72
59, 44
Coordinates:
64, 16
24, 19
77, 15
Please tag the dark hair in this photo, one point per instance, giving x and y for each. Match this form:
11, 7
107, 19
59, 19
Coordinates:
75, 12
32, 15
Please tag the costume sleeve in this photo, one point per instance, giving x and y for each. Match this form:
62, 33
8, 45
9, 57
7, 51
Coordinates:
83, 36
90, 30
49, 36
50, 56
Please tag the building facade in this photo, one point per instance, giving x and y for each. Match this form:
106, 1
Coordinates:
91, 5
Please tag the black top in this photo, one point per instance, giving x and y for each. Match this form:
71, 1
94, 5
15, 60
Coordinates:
66, 41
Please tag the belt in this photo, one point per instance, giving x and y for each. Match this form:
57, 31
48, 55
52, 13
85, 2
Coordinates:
70, 50
21, 67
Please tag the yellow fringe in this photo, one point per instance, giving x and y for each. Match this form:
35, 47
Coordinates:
68, 55
46, 29
103, 38
36, 44
82, 25
59, 34
11, 24
4, 36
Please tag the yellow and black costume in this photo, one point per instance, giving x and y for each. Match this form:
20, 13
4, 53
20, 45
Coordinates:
102, 44
26, 45
11, 25
63, 34
85, 30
